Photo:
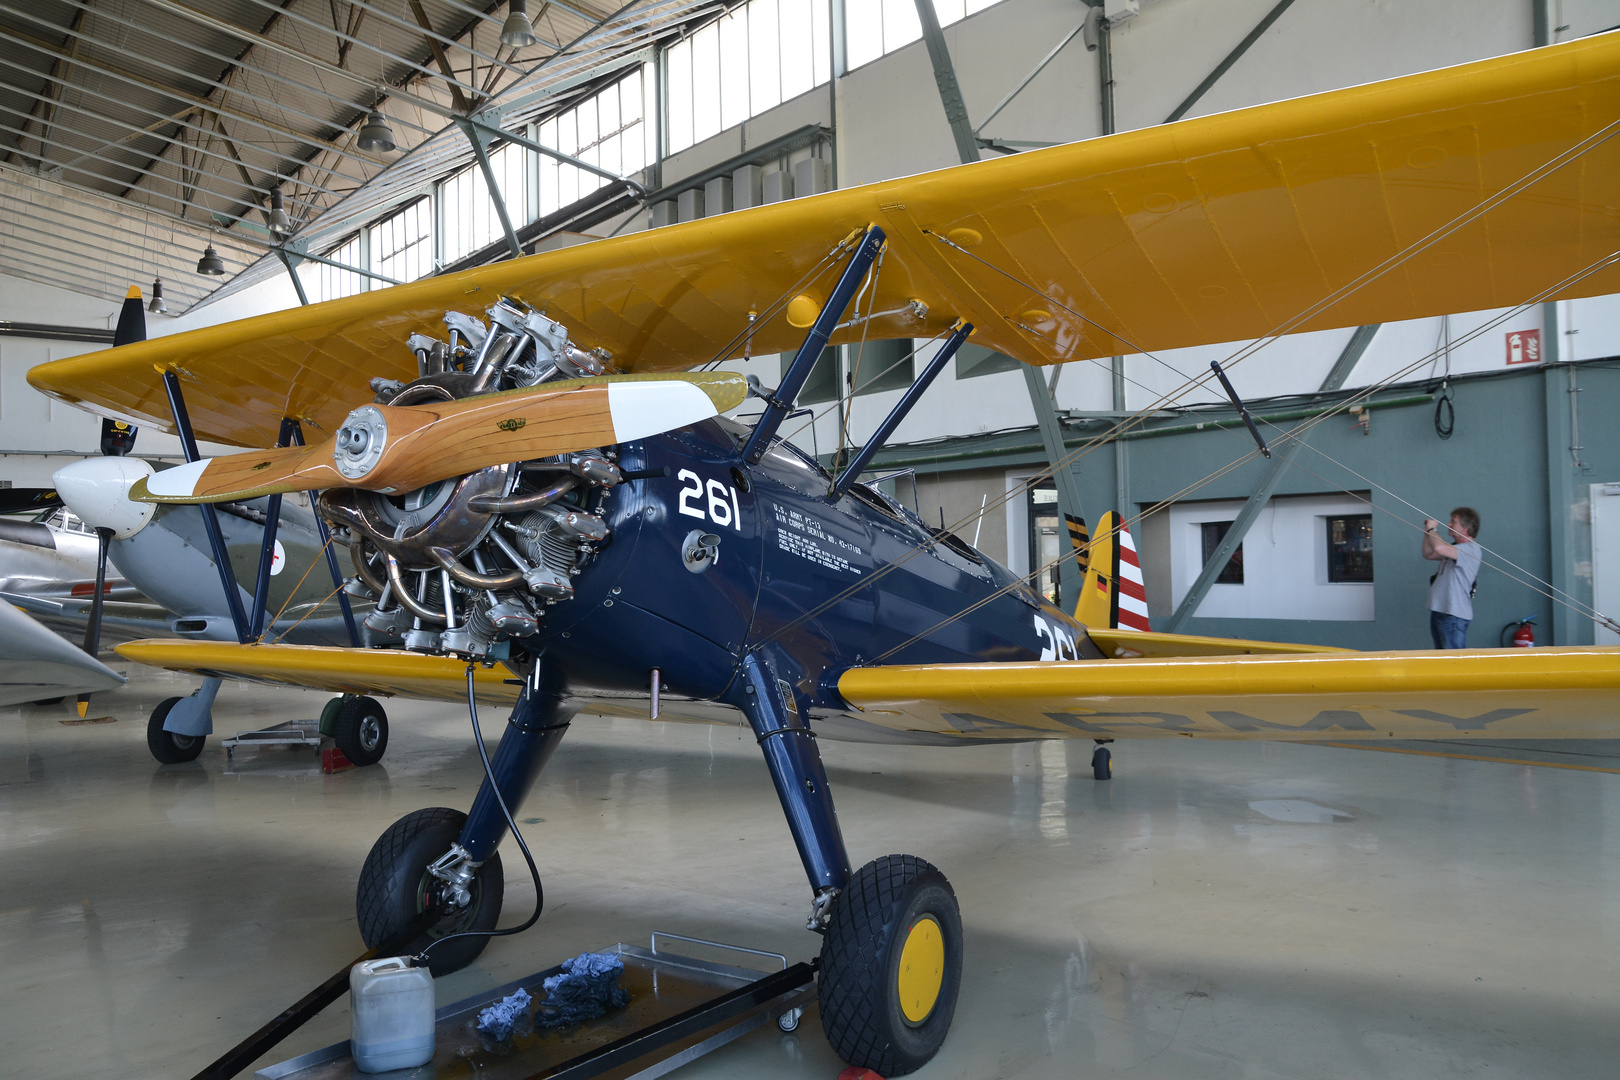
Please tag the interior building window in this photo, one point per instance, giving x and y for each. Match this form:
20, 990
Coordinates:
883, 365
324, 282
1044, 538
874, 28
607, 130
1349, 548
1214, 533
822, 385
753, 58
402, 245
975, 360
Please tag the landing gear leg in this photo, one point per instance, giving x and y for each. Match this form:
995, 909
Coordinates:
891, 958
1102, 761
440, 859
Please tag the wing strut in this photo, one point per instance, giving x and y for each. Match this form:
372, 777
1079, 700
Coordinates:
296, 438
216, 540
779, 404
853, 471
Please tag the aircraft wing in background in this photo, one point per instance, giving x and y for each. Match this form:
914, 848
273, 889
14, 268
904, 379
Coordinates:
35, 664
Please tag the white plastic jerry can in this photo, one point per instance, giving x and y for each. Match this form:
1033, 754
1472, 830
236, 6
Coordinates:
391, 1005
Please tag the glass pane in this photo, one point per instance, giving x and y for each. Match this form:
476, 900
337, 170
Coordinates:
796, 26
764, 59
734, 69
678, 69
1349, 548
705, 83
949, 11
900, 24
1214, 532
821, 40
863, 32
1044, 540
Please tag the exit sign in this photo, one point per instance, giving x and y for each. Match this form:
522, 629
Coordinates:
1524, 347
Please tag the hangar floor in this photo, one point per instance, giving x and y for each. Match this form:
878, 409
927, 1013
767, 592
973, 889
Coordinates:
1217, 910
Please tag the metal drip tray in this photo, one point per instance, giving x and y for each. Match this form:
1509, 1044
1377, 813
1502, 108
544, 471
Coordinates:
680, 1009
292, 733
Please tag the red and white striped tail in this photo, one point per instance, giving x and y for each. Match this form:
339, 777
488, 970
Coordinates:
1131, 590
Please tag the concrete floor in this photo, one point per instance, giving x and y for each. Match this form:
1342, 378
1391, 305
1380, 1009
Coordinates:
1217, 910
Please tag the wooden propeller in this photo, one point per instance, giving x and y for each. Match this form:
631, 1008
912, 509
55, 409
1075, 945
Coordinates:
394, 449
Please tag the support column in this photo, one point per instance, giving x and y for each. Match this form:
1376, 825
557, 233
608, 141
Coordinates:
291, 261
1263, 491
1567, 625
480, 141
967, 147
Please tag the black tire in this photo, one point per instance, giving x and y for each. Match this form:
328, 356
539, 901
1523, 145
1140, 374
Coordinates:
395, 888
360, 730
878, 1014
166, 746
1101, 767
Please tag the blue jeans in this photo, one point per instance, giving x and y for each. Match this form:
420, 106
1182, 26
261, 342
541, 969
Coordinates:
1448, 631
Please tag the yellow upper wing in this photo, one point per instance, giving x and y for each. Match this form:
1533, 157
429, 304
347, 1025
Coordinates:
1482, 693
1220, 228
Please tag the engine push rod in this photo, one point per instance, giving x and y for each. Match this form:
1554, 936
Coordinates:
779, 404
216, 539
901, 409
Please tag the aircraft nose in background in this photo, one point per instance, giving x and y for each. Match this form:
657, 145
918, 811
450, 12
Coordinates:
97, 490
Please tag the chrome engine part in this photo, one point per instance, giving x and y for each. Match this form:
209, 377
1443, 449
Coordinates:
466, 564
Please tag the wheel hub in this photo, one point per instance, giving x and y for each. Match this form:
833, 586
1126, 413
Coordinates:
922, 970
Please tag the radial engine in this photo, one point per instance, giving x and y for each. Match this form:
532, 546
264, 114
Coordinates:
464, 565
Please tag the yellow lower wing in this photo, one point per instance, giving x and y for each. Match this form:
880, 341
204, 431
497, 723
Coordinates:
1556, 693
387, 672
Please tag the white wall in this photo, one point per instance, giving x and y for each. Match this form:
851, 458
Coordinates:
38, 434
1284, 561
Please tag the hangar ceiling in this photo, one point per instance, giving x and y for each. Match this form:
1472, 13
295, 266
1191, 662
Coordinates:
135, 132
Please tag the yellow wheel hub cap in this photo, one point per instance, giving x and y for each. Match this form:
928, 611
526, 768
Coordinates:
922, 969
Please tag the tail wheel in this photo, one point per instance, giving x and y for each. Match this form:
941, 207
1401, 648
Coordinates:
1101, 764
360, 729
891, 966
169, 747
395, 888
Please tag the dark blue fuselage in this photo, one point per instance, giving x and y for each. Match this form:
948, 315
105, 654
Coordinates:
785, 549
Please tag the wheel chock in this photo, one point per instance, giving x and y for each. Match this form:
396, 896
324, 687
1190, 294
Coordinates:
332, 760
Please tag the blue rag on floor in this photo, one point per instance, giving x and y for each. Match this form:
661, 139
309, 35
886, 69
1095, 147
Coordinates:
497, 1020
589, 988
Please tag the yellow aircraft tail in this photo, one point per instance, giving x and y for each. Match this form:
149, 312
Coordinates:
1113, 594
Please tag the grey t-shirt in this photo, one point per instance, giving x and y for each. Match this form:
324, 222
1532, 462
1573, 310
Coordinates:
1452, 585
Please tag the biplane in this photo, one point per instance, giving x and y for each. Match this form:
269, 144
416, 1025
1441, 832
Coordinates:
553, 507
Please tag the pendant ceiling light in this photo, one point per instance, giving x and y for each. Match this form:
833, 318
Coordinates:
210, 263
518, 32
157, 306
376, 134
279, 224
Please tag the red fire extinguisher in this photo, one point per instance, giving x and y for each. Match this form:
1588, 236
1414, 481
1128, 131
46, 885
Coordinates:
1524, 633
